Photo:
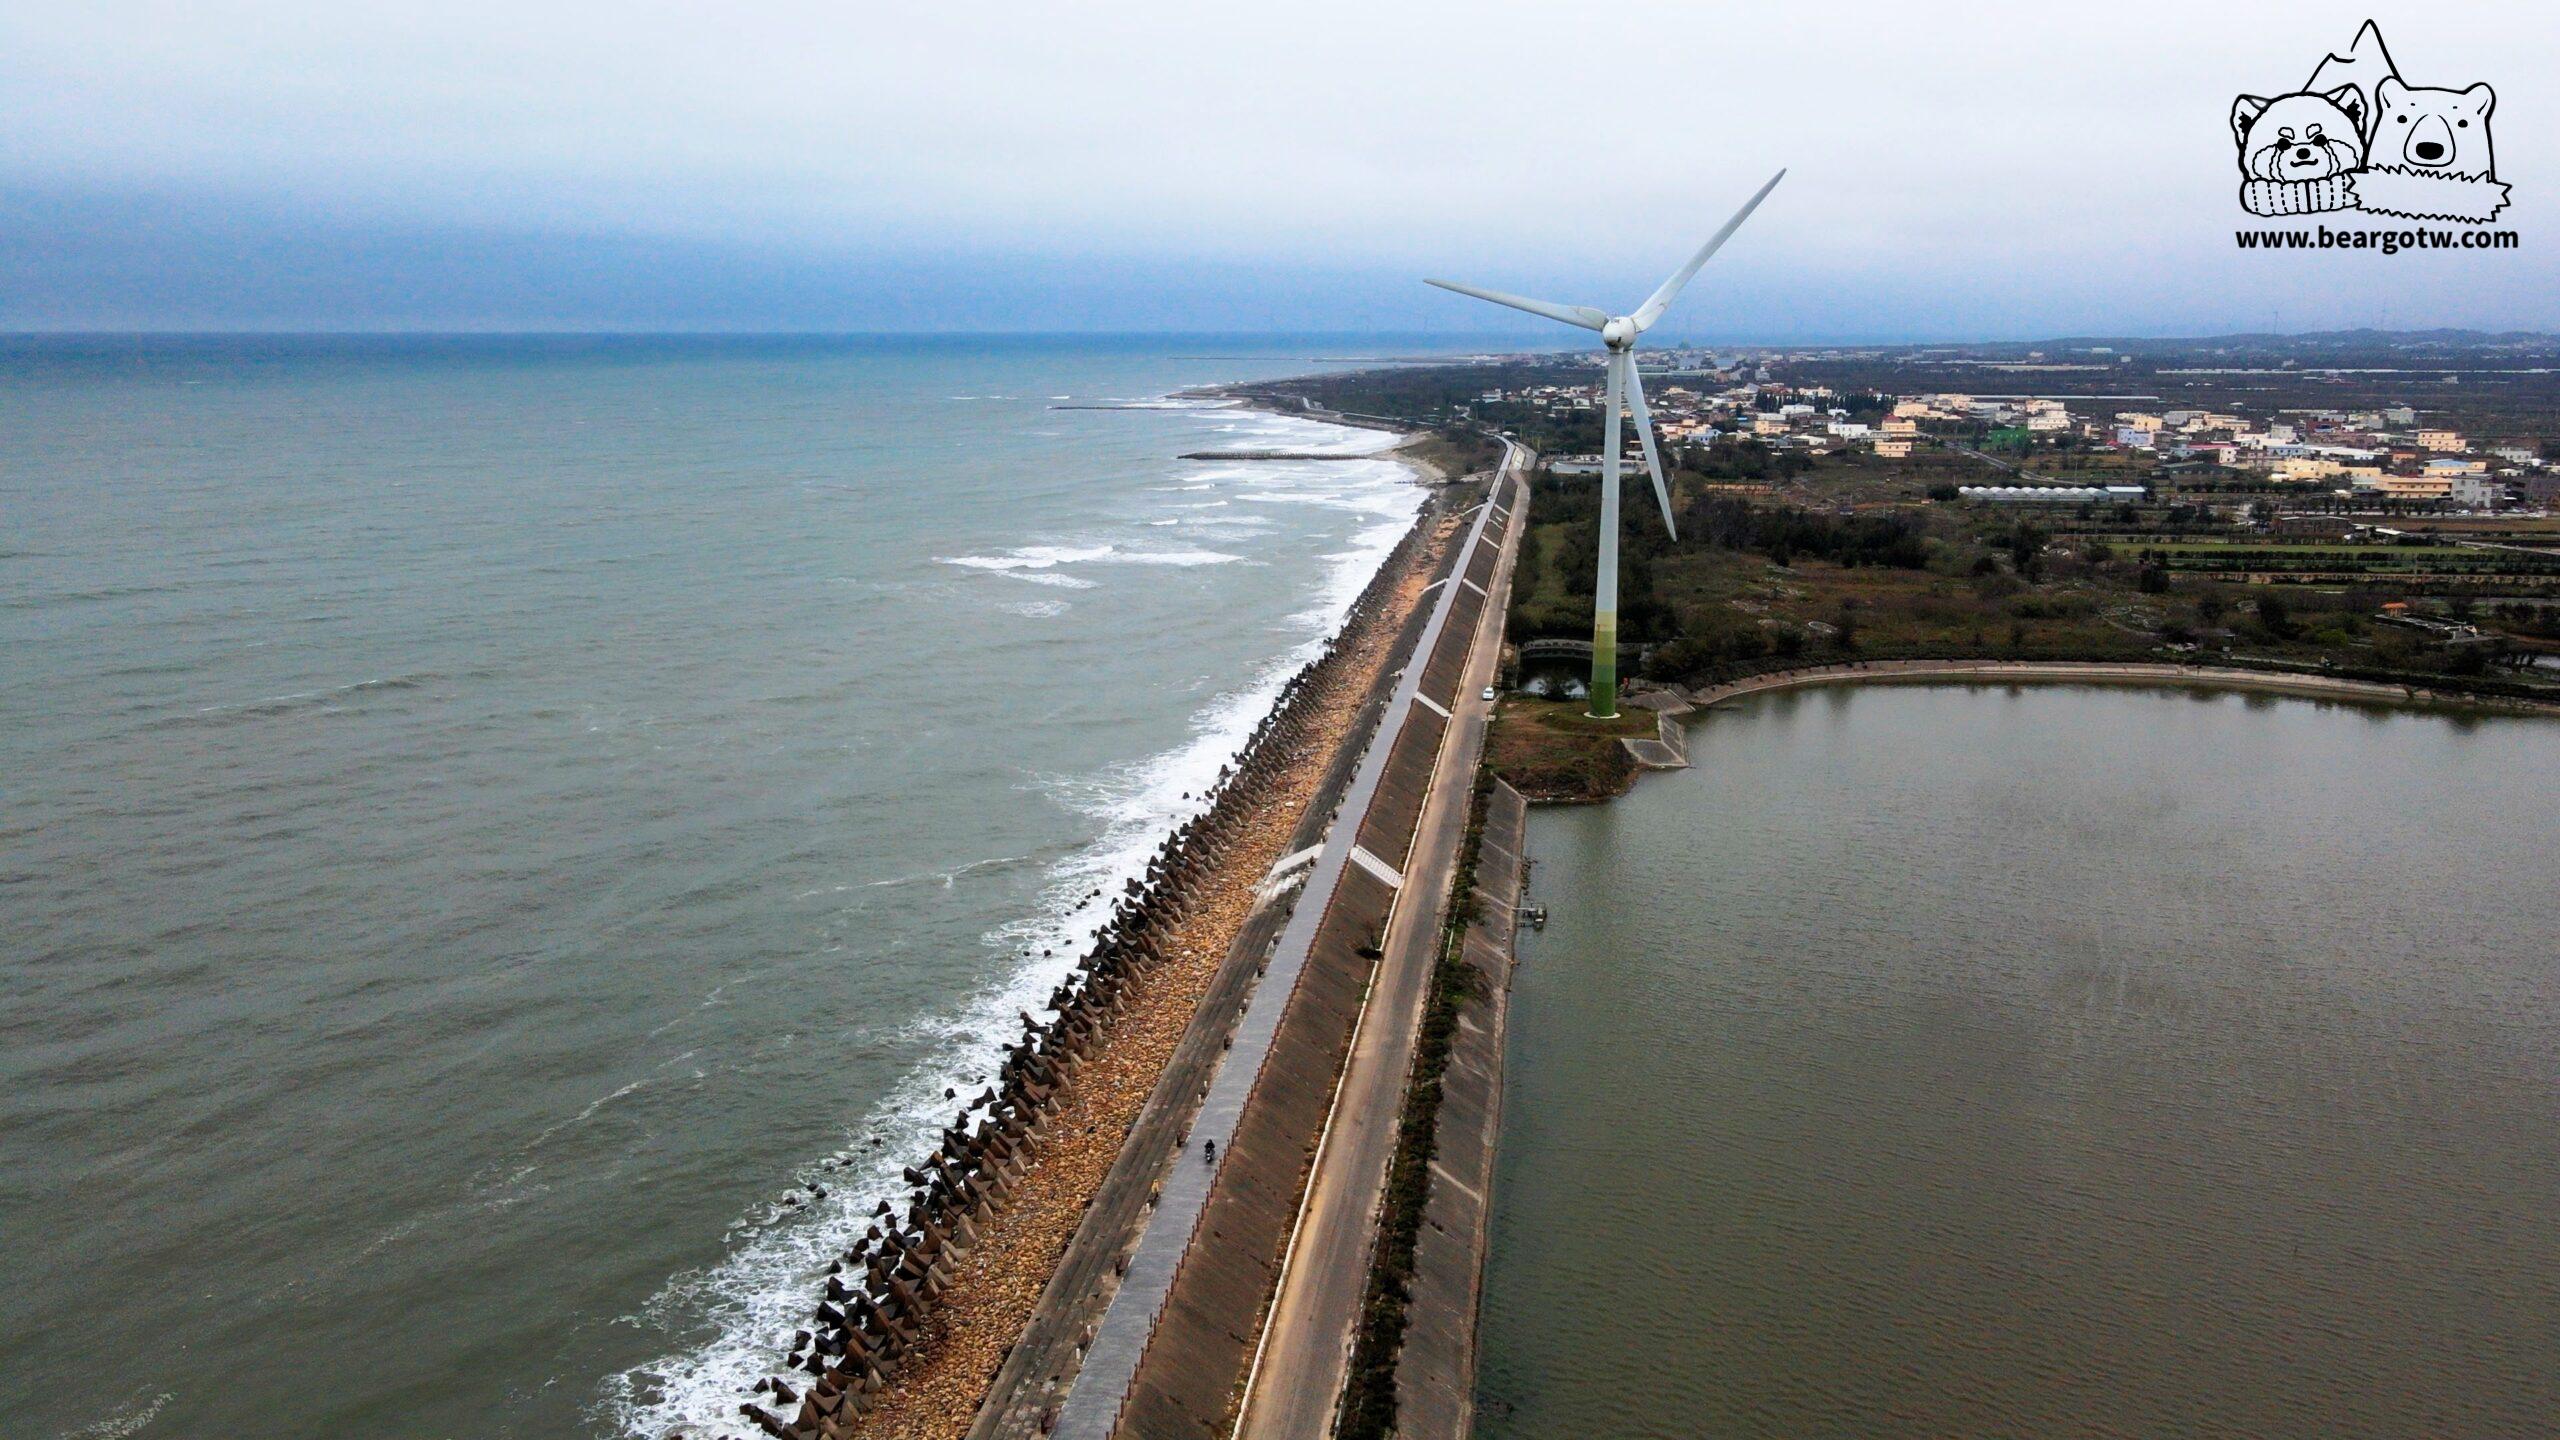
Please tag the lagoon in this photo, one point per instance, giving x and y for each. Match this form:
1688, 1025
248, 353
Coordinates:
2036, 1060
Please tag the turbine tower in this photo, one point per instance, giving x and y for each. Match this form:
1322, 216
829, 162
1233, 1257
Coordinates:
1618, 333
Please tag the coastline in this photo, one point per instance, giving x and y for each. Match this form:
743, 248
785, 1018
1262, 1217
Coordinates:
1427, 470
1112, 1069
1253, 1329
760, 1290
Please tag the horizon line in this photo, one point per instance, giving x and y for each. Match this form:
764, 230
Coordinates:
1488, 337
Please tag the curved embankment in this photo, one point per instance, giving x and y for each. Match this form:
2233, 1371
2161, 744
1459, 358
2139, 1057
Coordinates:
2106, 673
1669, 749
910, 1323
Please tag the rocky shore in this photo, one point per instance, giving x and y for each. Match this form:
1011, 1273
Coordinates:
911, 1323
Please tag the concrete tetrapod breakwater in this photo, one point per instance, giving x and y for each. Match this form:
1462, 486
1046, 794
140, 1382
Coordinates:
1172, 1348
879, 1346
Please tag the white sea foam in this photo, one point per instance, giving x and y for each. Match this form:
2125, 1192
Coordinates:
124, 1420
1031, 557
1039, 562
745, 1307
1184, 558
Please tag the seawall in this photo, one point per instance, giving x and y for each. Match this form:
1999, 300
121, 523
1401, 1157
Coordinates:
1174, 1354
1436, 1366
1024, 1397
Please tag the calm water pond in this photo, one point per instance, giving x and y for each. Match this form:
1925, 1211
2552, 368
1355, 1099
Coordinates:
2042, 1061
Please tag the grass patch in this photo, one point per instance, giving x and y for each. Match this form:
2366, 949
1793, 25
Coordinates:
1551, 750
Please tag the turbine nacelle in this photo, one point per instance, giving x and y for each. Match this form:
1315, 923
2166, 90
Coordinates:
1620, 333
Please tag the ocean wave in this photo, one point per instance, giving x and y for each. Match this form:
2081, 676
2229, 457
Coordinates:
1030, 562
235, 710
1174, 557
585, 1115
1029, 557
948, 878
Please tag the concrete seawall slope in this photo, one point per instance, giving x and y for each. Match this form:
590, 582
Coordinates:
1436, 1368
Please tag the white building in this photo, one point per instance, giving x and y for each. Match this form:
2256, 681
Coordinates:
2050, 494
2478, 492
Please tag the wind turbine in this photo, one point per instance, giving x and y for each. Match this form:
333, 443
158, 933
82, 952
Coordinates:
1619, 333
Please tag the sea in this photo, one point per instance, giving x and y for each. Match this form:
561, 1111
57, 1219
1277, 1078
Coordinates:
485, 822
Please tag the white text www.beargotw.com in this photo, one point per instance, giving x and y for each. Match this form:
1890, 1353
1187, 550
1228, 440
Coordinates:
2389, 242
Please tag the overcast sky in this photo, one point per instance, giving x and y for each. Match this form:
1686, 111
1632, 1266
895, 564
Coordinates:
1957, 170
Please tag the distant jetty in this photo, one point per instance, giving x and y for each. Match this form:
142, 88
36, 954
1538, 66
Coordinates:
1271, 455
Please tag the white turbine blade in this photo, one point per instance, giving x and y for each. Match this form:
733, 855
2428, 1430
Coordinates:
1644, 432
1582, 315
1652, 309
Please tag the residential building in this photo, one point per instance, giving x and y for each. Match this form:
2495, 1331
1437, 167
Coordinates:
2407, 487
2478, 492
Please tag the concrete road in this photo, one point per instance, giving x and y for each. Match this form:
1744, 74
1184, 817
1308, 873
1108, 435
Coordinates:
1304, 1359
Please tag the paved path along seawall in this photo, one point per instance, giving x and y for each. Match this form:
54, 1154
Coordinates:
1173, 1343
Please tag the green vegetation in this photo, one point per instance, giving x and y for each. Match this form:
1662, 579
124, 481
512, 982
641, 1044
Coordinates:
1456, 451
1550, 750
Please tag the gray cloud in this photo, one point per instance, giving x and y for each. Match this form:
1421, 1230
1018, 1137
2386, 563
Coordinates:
1957, 169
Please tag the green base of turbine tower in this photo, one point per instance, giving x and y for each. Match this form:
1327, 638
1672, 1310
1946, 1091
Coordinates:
1604, 669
